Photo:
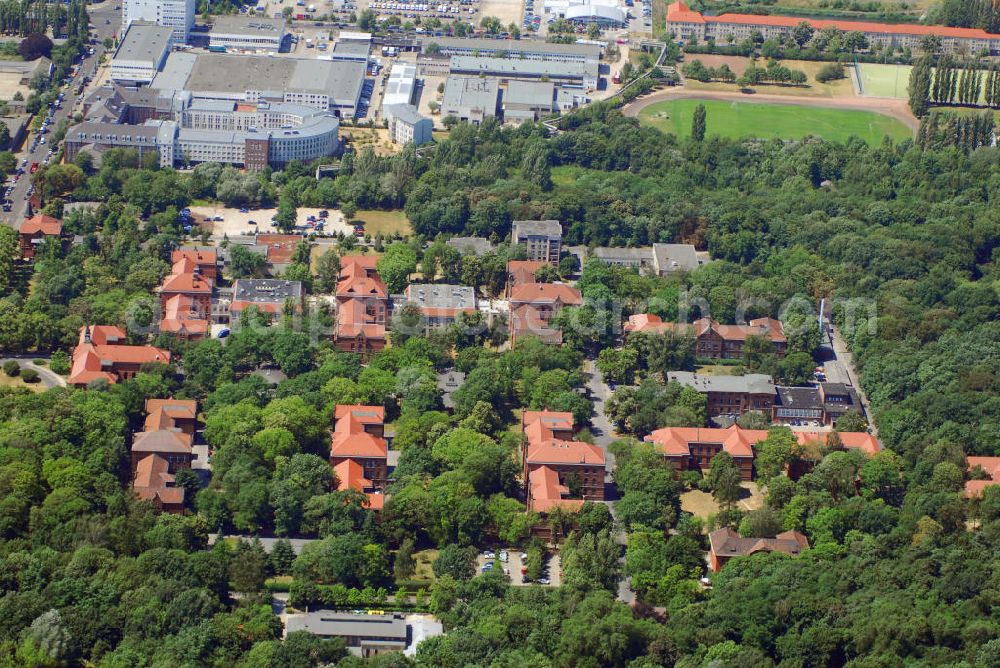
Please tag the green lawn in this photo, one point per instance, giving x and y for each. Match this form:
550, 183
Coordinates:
782, 121
892, 81
385, 222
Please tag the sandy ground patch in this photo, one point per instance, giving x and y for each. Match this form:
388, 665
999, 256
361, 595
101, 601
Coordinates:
10, 84
508, 11
376, 138
699, 503
738, 64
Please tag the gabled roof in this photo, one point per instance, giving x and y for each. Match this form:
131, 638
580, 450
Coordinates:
727, 543
527, 320
541, 426
353, 320
351, 475
197, 255
93, 360
103, 334
47, 225
564, 452
991, 466
546, 293
681, 13
547, 493
162, 440
359, 278
158, 410
152, 482
735, 440
181, 315
279, 247
349, 436
185, 279
646, 322
523, 271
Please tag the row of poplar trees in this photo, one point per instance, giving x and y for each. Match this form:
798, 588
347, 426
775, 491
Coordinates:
952, 83
941, 129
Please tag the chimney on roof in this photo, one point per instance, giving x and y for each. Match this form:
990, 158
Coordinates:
86, 333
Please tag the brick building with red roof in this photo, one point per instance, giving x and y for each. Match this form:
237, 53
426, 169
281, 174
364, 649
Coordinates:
726, 544
557, 471
714, 340
168, 433
153, 482
358, 437
279, 249
362, 306
186, 297
534, 305
205, 259
102, 353
692, 448
686, 24
34, 231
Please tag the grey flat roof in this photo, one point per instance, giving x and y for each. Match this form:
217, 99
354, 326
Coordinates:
441, 295
266, 290
208, 104
229, 74
671, 257
404, 112
608, 254
515, 66
591, 51
475, 245
799, 397
352, 47
545, 228
247, 25
533, 93
329, 623
144, 41
471, 93
751, 383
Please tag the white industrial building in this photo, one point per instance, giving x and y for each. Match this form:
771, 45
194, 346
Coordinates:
247, 33
470, 99
602, 15
407, 125
175, 14
401, 86
141, 53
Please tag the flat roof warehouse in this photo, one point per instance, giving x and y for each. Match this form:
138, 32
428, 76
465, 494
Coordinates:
234, 75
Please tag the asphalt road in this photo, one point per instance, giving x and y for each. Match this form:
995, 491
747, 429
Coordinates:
48, 377
100, 14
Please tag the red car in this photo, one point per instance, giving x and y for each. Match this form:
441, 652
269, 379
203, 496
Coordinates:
34, 167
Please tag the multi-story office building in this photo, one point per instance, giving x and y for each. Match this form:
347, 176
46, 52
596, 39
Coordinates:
541, 238
175, 14
407, 125
250, 33
141, 53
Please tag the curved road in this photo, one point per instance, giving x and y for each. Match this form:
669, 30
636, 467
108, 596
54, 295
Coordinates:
49, 378
897, 109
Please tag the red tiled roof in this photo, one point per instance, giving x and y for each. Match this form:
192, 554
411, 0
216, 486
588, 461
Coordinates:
169, 409
727, 543
739, 442
89, 358
353, 320
280, 247
547, 493
545, 293
540, 426
351, 475
646, 322
527, 320
991, 466
196, 255
153, 482
47, 225
349, 436
565, 452
678, 12
523, 271
180, 314
185, 280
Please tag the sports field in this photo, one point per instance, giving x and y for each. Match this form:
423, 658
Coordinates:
782, 121
885, 80
891, 81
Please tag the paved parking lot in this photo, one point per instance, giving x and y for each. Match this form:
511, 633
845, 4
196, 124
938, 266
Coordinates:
514, 564
236, 222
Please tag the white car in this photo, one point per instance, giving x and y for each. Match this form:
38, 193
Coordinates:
489, 555
503, 556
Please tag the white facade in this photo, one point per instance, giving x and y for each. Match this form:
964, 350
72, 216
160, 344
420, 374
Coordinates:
251, 34
141, 54
177, 14
402, 82
407, 125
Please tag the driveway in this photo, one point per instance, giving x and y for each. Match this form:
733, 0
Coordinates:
846, 359
48, 377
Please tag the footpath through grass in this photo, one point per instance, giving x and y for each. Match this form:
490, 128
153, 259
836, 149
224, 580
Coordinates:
782, 121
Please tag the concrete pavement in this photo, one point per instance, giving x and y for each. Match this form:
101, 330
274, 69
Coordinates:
268, 543
846, 358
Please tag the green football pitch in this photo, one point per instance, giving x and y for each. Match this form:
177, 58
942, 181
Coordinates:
885, 80
781, 121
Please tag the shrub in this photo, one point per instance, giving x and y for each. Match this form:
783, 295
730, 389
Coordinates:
60, 363
39, 362
30, 376
11, 368
830, 72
